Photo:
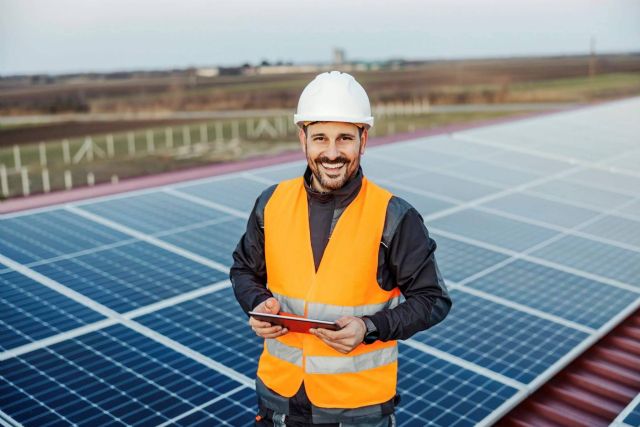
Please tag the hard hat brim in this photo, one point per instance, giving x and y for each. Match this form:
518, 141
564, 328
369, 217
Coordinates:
299, 119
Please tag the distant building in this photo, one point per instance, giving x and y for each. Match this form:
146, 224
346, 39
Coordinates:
338, 56
208, 72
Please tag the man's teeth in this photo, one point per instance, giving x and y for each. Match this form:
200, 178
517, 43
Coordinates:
332, 166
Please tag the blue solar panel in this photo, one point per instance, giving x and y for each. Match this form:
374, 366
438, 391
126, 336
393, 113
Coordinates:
563, 294
214, 241
539, 209
435, 392
377, 168
592, 197
213, 325
153, 212
130, 276
114, 376
594, 257
49, 234
236, 411
615, 228
488, 228
30, 311
606, 180
513, 343
424, 204
633, 416
498, 175
281, 172
237, 192
446, 186
458, 260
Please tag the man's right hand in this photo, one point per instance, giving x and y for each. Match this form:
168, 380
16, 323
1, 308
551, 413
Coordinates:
265, 329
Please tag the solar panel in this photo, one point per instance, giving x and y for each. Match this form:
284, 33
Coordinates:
31, 312
130, 276
515, 344
118, 310
111, 376
53, 233
575, 298
630, 416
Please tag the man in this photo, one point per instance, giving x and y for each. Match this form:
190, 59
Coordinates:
331, 245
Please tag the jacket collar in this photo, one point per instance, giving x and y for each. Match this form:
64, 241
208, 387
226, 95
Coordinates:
342, 196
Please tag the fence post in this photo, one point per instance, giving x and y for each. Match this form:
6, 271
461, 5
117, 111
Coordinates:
91, 179
46, 185
17, 161
168, 137
235, 130
24, 174
43, 155
89, 142
66, 152
114, 179
131, 142
68, 182
251, 128
4, 184
151, 146
204, 137
110, 150
186, 135
219, 132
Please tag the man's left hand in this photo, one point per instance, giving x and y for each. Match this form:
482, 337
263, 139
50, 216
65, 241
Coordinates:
350, 335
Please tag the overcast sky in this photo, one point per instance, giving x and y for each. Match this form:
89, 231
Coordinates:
58, 36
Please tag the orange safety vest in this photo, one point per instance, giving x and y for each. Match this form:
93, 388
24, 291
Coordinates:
344, 285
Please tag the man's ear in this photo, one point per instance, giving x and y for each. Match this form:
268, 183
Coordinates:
363, 140
303, 140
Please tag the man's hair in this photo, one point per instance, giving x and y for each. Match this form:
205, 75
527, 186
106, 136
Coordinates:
304, 129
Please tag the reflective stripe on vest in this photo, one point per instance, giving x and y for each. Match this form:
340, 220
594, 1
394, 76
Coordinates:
285, 352
362, 362
332, 364
345, 284
330, 312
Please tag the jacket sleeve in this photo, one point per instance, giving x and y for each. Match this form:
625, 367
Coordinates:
249, 272
408, 261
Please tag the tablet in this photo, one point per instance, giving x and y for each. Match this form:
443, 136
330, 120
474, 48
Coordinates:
294, 323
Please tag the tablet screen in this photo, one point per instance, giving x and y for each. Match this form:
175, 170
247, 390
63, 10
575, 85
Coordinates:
294, 323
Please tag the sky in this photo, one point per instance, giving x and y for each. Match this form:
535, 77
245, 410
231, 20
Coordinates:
59, 36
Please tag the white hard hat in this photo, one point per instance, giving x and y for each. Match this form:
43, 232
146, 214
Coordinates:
334, 97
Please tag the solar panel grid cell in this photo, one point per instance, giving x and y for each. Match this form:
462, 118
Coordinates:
515, 344
30, 311
111, 376
48, 234
131, 276
499, 231
458, 260
438, 393
556, 292
152, 212
214, 326
238, 193
594, 257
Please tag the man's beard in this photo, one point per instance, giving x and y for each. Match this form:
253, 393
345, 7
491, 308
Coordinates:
326, 182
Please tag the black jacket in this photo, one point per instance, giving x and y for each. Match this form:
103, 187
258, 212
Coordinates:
406, 259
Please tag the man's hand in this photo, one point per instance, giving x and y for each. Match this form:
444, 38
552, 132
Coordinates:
265, 329
346, 339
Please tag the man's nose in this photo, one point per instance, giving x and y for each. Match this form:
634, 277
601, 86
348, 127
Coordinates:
332, 151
